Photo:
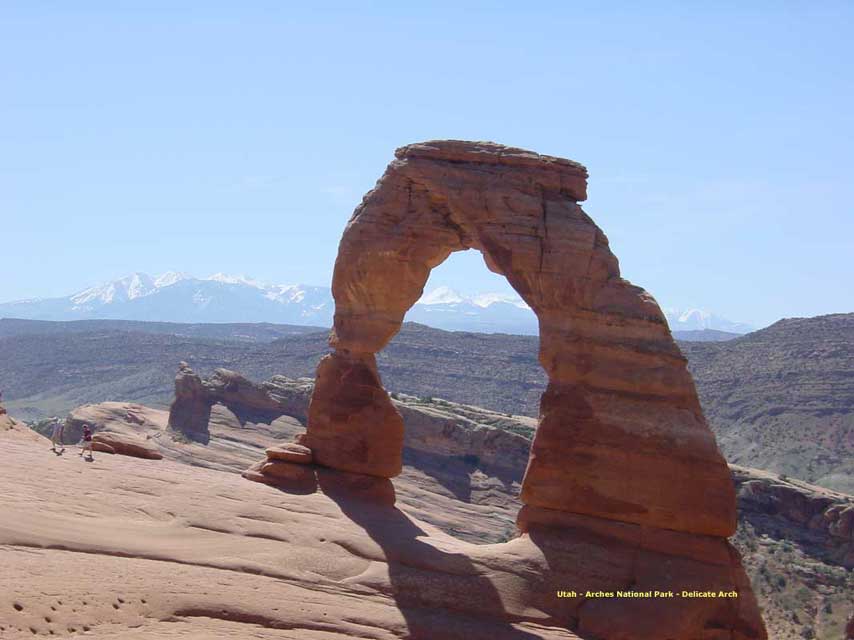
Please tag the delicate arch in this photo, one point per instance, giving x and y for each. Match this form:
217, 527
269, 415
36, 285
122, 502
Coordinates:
621, 433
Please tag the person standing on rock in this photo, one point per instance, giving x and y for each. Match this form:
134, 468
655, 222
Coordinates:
56, 435
87, 442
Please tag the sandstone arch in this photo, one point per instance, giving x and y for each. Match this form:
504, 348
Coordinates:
621, 433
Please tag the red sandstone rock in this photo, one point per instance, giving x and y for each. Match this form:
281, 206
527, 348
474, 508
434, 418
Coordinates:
353, 425
281, 470
127, 445
102, 447
622, 435
191, 409
290, 452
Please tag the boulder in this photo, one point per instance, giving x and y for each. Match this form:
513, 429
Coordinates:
280, 470
126, 445
102, 447
290, 452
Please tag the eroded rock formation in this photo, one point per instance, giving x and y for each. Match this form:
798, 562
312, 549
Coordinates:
190, 411
191, 408
620, 421
622, 461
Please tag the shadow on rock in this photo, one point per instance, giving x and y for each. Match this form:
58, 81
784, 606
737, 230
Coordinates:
443, 595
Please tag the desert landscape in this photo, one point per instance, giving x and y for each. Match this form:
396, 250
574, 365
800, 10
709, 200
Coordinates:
588, 536
426, 321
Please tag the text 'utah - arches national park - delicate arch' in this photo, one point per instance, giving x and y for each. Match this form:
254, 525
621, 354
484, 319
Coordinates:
621, 433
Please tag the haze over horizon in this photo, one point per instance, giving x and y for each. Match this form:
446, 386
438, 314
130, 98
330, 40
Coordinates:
212, 138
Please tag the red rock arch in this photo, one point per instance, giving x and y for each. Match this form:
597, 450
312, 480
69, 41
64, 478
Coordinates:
621, 433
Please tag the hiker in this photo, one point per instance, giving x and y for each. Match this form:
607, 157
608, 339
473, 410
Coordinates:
87, 442
56, 436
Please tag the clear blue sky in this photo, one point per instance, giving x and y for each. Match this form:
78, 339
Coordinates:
239, 136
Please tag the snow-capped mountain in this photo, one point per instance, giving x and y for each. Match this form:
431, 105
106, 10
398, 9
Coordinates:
699, 319
179, 297
445, 308
127, 288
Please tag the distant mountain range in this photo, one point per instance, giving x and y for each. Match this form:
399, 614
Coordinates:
178, 297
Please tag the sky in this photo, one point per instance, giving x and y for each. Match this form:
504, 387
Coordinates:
238, 137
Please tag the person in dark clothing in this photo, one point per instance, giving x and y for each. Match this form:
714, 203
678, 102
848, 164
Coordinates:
87, 442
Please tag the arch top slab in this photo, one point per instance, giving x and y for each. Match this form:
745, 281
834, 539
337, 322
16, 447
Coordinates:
621, 432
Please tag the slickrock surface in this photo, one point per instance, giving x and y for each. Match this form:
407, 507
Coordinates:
116, 548
793, 535
190, 552
620, 421
792, 557
463, 464
459, 491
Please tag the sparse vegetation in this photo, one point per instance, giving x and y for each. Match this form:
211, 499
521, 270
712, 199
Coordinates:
795, 591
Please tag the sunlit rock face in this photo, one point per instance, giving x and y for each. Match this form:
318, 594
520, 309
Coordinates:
621, 433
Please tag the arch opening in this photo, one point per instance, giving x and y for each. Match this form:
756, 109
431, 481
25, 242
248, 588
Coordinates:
462, 294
